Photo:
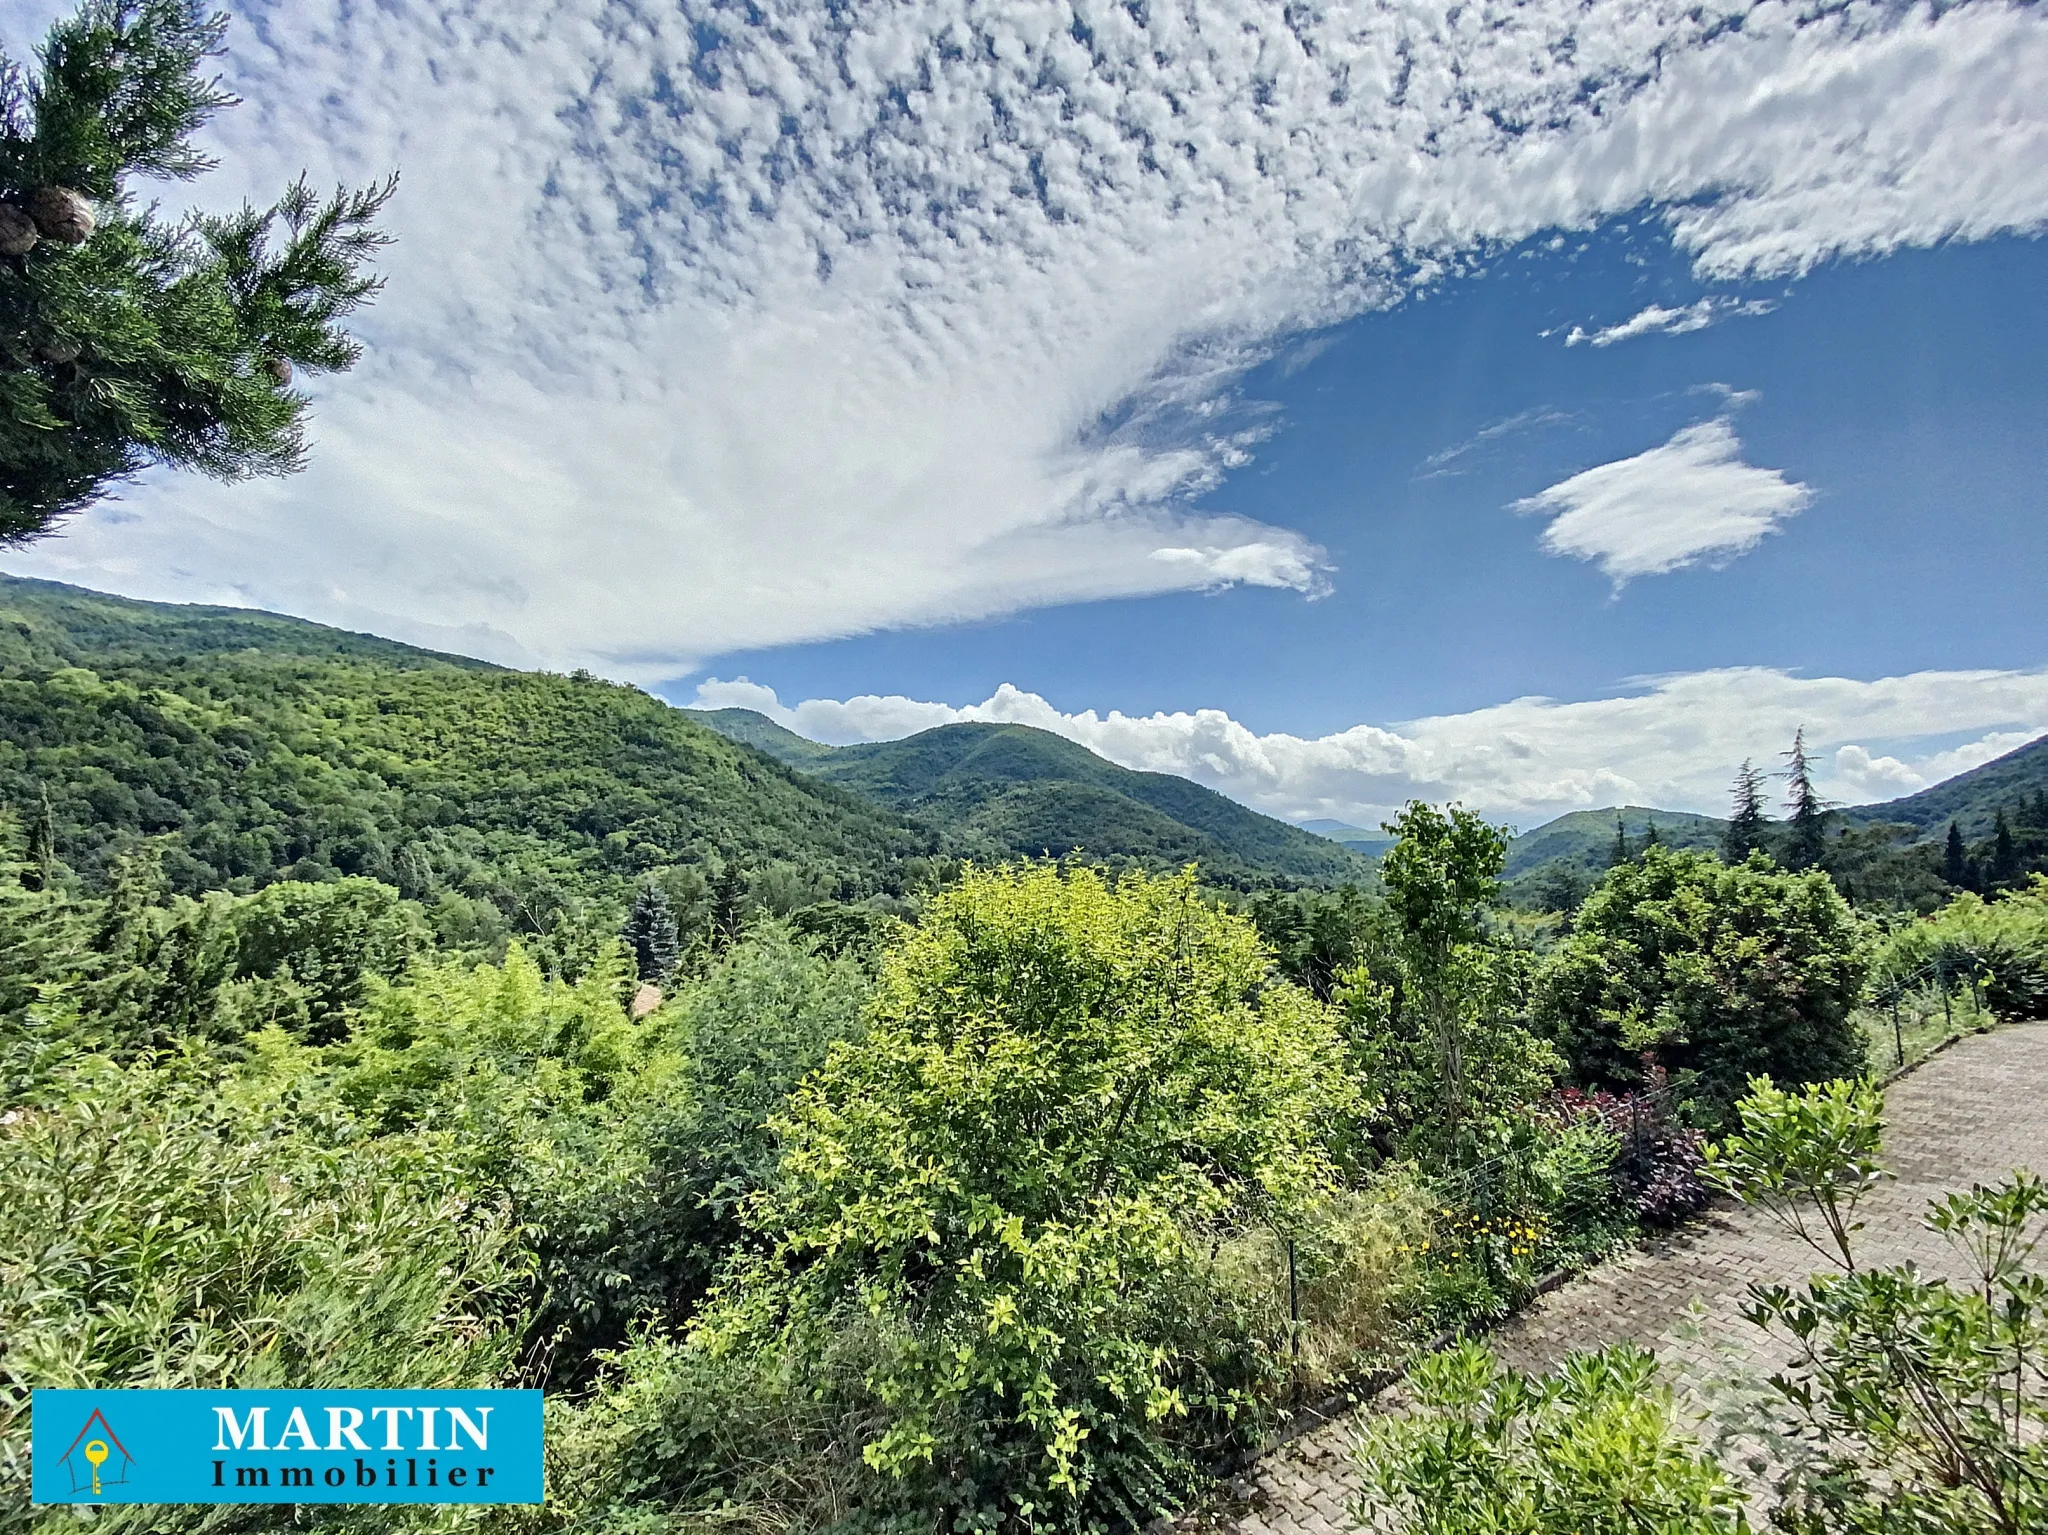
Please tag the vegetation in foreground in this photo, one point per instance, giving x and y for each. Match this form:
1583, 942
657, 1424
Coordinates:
927, 1197
1909, 1402
1026, 1211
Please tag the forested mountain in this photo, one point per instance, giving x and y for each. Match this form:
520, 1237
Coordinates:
1894, 854
1587, 837
1012, 790
1972, 800
262, 746
757, 730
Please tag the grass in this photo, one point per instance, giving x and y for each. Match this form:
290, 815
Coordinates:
1924, 1025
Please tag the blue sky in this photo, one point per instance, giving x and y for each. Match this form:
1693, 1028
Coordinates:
1909, 393
1546, 408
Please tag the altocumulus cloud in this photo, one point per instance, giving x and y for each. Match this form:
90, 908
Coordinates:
1674, 742
714, 327
1690, 499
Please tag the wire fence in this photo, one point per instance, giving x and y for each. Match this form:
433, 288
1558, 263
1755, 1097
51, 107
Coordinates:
1927, 987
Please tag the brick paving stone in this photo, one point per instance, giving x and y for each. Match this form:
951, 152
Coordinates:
1969, 1115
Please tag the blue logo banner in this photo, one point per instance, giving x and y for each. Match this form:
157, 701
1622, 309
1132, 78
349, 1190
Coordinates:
286, 1446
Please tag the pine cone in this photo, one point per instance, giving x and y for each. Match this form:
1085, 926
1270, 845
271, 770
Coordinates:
280, 368
61, 215
17, 231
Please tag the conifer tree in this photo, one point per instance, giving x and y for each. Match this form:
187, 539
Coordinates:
1650, 837
1747, 822
1955, 863
127, 340
1619, 854
39, 869
650, 932
728, 905
1806, 839
2005, 858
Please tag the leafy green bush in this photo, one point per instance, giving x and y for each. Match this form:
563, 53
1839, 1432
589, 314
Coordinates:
1595, 1448
2001, 945
687, 1139
1806, 1158
1436, 1013
1068, 1094
156, 1234
1920, 1404
1726, 973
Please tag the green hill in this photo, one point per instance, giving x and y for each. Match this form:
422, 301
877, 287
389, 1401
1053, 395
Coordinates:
762, 733
1008, 790
260, 746
1971, 799
1585, 838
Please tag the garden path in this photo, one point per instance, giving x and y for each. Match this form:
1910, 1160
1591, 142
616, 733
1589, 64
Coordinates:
1970, 1114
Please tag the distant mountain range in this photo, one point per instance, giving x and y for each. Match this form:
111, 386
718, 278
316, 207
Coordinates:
1357, 838
259, 746
1972, 800
1011, 790
254, 747
1022, 790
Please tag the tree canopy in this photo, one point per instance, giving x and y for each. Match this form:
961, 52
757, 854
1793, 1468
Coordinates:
1724, 972
128, 340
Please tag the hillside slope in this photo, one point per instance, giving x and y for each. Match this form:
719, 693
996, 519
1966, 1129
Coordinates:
1010, 790
261, 746
1586, 837
1971, 799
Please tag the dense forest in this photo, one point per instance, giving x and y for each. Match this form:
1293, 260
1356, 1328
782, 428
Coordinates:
255, 748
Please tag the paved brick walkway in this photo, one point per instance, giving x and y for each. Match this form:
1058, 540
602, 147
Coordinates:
1969, 1115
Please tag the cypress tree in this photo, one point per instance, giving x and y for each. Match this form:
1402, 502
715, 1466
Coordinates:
1746, 821
1806, 839
650, 932
1955, 863
2005, 858
127, 341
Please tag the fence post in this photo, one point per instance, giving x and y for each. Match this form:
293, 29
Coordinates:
1948, 1018
1293, 1322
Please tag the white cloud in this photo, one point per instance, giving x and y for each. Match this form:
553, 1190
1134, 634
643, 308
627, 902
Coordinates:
1674, 742
1449, 460
1667, 507
1658, 320
703, 335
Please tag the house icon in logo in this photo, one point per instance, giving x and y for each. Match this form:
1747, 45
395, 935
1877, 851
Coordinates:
96, 1457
